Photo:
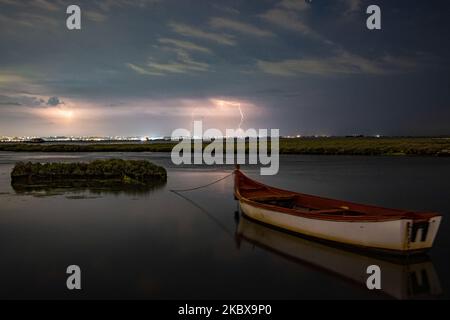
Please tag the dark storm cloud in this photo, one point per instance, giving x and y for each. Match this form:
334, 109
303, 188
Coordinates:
313, 67
54, 101
21, 100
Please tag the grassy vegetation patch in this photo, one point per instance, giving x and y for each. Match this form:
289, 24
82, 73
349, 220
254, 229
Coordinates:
99, 173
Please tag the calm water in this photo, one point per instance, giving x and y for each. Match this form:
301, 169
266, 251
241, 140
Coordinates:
159, 245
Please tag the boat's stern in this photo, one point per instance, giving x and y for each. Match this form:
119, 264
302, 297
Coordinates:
420, 233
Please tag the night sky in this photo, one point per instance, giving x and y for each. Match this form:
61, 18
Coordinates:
147, 67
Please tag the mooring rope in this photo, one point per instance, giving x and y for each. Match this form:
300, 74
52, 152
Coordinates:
203, 186
212, 217
208, 214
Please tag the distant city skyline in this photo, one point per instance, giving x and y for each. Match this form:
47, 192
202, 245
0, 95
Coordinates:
143, 68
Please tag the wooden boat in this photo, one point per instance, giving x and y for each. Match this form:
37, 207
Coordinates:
364, 226
414, 278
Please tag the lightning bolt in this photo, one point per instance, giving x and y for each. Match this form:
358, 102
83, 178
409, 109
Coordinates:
192, 119
242, 116
225, 103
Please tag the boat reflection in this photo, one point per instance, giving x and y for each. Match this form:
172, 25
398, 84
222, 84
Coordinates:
401, 279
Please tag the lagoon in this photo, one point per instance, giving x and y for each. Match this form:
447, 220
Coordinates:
157, 244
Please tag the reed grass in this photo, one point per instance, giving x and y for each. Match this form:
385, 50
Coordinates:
326, 146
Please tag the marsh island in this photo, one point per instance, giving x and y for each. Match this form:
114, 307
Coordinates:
98, 173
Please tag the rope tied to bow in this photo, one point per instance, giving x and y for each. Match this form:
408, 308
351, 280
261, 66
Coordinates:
202, 186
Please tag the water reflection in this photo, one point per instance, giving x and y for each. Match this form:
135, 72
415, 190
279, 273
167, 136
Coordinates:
82, 186
401, 279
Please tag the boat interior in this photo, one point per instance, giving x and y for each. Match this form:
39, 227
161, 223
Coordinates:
297, 203
308, 204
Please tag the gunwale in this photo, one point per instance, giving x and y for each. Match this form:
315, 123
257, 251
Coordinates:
246, 191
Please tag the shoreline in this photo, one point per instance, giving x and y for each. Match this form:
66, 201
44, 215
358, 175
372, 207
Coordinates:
313, 146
